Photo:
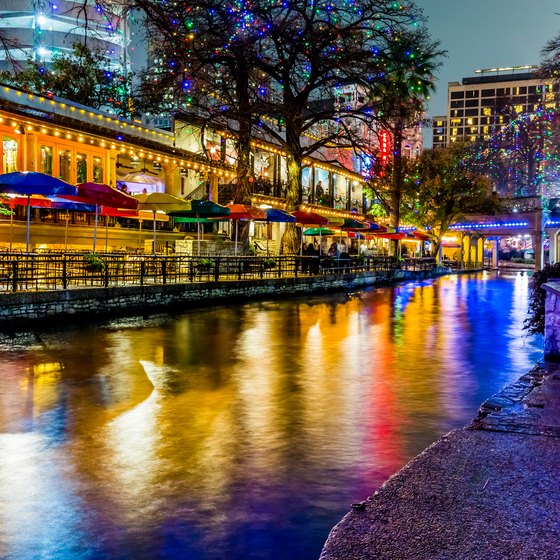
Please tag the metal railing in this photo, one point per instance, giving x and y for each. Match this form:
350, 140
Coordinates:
54, 271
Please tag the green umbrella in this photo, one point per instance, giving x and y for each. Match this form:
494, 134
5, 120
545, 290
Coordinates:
200, 211
320, 231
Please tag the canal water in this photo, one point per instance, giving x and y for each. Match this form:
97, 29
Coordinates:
240, 432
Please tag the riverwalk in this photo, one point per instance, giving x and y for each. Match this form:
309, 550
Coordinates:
490, 490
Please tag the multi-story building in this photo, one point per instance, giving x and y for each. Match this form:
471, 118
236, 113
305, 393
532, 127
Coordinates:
483, 104
439, 129
39, 30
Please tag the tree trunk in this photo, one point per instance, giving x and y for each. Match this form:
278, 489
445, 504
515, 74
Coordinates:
397, 184
291, 240
245, 121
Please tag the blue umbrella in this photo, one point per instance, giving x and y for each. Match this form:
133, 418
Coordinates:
275, 215
31, 182
70, 206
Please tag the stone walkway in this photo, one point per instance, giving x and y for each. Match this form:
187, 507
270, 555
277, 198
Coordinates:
491, 490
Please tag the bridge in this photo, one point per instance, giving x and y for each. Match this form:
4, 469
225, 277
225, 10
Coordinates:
522, 216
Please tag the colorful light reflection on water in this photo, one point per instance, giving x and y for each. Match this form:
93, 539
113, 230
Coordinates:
241, 432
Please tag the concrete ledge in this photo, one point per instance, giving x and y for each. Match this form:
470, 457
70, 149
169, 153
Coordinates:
487, 492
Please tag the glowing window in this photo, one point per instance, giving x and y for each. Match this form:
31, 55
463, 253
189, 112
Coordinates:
98, 169
46, 160
487, 111
81, 167
65, 165
10, 148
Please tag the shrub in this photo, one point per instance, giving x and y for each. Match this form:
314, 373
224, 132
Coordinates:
269, 263
535, 322
94, 262
205, 263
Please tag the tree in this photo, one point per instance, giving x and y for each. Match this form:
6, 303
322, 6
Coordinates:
411, 61
83, 77
520, 158
276, 70
442, 189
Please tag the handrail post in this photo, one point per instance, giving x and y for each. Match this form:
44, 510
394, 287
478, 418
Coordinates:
164, 271
142, 272
14, 275
64, 271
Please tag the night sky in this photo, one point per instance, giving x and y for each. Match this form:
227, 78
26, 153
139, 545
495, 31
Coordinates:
487, 34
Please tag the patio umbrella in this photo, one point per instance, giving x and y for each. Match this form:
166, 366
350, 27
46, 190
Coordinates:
200, 210
70, 206
320, 231
139, 215
276, 215
244, 212
35, 201
308, 219
162, 202
30, 183
100, 194
279, 216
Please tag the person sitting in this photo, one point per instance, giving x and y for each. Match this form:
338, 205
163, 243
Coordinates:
333, 251
308, 262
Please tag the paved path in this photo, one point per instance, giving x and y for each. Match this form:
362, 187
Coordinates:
491, 490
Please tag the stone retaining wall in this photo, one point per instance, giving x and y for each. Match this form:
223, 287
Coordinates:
86, 303
552, 321
79, 304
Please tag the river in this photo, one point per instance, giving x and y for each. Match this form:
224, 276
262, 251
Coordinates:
241, 432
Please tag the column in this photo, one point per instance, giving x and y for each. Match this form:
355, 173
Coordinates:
30, 153
213, 187
480, 252
553, 245
466, 248
110, 171
171, 176
461, 256
537, 239
495, 257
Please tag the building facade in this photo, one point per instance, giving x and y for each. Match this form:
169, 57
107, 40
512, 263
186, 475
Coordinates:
481, 105
39, 30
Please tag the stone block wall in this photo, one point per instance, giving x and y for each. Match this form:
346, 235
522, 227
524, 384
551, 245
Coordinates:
552, 321
85, 303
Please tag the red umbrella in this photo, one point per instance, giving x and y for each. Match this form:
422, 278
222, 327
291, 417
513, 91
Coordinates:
244, 212
398, 235
310, 218
102, 195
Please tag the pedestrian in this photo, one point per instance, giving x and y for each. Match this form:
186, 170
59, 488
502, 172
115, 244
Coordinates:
319, 192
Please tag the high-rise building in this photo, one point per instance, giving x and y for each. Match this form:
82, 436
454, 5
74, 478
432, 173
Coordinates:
482, 104
38, 30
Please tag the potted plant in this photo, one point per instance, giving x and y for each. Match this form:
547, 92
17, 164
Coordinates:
204, 264
93, 262
269, 263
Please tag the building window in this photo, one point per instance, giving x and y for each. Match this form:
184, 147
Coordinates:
81, 168
473, 94
46, 155
97, 169
65, 165
10, 147
487, 111
488, 93
457, 94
